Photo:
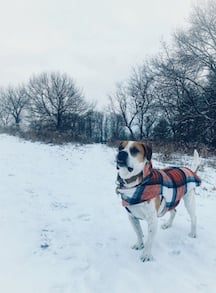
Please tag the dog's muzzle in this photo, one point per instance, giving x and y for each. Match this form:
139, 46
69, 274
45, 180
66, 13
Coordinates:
122, 158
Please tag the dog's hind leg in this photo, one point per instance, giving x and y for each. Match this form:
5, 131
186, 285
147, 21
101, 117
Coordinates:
139, 233
189, 201
170, 221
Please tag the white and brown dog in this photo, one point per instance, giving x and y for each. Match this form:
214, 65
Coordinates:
148, 193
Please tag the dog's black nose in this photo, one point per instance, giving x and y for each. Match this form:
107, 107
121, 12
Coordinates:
122, 158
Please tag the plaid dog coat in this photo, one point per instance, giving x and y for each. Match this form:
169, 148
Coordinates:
169, 183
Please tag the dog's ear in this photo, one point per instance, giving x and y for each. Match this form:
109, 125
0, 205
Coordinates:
122, 145
148, 151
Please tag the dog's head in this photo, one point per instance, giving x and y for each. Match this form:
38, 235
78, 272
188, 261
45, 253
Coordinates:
132, 157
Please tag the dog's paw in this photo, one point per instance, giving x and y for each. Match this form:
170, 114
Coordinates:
146, 257
192, 235
165, 226
137, 246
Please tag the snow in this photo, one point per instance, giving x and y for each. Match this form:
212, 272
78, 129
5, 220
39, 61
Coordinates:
63, 228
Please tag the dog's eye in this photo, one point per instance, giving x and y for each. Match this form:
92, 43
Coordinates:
134, 151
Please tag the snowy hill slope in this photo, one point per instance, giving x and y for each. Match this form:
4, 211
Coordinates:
63, 229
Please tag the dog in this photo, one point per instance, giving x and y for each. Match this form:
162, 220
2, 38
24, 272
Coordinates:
149, 193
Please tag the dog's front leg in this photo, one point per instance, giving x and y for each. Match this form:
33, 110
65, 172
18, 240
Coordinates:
151, 218
139, 233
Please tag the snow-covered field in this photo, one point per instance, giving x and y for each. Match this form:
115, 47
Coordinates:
63, 229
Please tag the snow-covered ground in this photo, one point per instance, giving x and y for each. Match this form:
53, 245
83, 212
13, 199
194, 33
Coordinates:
63, 229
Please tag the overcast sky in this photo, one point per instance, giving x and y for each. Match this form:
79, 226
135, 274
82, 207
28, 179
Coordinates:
96, 42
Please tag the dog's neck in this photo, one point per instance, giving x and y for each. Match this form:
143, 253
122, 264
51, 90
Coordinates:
133, 181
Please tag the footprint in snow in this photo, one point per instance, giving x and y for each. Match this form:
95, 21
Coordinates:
175, 252
45, 239
59, 205
85, 217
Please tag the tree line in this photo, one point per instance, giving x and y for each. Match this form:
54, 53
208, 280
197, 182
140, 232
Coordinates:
169, 97
50, 106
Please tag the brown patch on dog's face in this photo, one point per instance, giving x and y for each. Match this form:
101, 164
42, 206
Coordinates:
137, 150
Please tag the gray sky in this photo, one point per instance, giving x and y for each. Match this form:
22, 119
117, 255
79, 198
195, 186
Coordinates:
96, 42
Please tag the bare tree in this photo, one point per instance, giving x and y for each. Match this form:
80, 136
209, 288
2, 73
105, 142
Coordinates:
54, 97
5, 117
13, 101
185, 72
122, 104
197, 45
134, 100
141, 89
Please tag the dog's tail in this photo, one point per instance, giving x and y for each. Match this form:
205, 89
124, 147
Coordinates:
196, 162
